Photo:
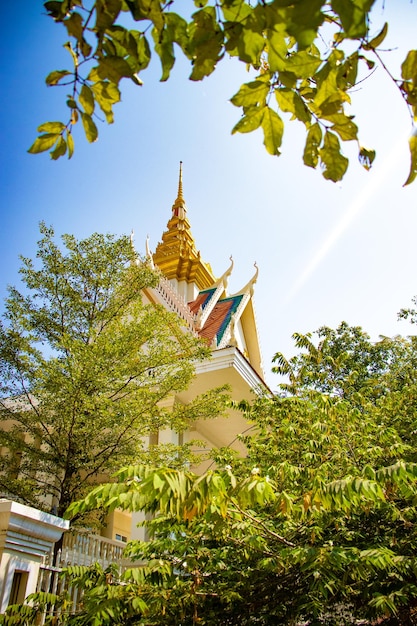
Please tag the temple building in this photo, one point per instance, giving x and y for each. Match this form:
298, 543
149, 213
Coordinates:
225, 321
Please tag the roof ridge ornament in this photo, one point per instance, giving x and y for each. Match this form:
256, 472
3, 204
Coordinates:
179, 208
135, 260
223, 280
248, 288
149, 256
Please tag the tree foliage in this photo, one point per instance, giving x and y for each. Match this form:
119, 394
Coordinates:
84, 366
342, 362
305, 56
315, 525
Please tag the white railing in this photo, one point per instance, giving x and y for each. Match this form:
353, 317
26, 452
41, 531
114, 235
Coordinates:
175, 302
81, 548
78, 548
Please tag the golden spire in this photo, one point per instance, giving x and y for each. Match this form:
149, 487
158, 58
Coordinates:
179, 208
176, 255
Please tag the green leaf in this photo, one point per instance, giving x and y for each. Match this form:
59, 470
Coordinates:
60, 149
348, 71
70, 144
71, 103
147, 10
273, 128
250, 44
409, 67
178, 29
366, 157
106, 95
113, 68
51, 127
107, 12
335, 164
249, 122
144, 52
90, 128
329, 97
85, 47
311, 150
250, 94
354, 16
376, 41
304, 21
302, 64
236, 10
72, 52
409, 86
290, 102
54, 77
74, 26
56, 9
412, 142
206, 41
86, 99
277, 51
165, 49
343, 126
43, 143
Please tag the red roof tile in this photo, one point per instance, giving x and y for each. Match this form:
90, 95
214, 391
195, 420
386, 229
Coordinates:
215, 320
198, 302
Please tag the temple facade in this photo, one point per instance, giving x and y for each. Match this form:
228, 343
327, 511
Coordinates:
225, 321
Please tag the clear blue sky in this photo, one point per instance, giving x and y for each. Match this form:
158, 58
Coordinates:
326, 252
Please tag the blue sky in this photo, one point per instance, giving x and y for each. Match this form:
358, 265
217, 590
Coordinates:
326, 252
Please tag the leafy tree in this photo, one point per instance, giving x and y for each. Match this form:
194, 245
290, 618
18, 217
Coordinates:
316, 525
306, 56
343, 362
84, 366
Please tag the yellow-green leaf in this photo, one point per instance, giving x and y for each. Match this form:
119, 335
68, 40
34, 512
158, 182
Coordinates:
335, 164
277, 50
51, 127
87, 99
343, 126
273, 128
249, 122
74, 25
413, 153
90, 128
311, 150
60, 149
409, 66
251, 93
70, 144
376, 41
353, 15
54, 77
303, 64
43, 143
290, 102
366, 157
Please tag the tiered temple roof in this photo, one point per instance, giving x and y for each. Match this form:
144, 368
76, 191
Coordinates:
221, 319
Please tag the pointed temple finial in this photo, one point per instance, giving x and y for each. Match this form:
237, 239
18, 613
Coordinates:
132, 245
179, 208
149, 258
